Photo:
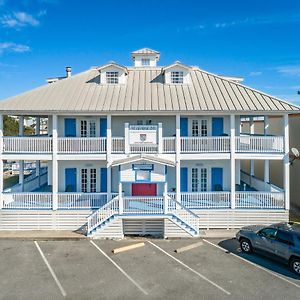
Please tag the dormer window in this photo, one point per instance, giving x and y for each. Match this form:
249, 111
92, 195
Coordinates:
145, 62
112, 77
177, 77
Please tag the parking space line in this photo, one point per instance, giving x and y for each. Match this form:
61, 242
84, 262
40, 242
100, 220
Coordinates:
192, 270
119, 268
63, 292
253, 264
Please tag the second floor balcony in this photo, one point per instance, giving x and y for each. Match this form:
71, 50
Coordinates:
98, 145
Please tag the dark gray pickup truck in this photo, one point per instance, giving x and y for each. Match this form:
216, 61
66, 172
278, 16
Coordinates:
280, 241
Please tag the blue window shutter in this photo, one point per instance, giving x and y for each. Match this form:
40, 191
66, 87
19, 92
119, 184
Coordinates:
103, 178
216, 179
217, 126
183, 179
70, 180
103, 127
70, 127
183, 126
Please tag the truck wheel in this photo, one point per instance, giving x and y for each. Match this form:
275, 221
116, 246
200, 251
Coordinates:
295, 265
246, 246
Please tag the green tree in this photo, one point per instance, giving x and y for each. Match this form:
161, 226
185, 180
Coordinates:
11, 127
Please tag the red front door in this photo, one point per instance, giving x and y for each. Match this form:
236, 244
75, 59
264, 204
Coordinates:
144, 189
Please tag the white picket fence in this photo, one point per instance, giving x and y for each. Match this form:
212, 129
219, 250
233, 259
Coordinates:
82, 145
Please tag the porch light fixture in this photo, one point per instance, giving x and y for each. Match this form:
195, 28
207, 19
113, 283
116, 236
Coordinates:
296, 154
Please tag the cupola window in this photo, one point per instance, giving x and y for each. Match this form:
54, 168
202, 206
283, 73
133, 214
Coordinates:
145, 62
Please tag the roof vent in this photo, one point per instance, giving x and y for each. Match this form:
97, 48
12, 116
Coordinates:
68, 72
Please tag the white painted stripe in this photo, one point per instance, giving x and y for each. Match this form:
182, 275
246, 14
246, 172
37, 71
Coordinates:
192, 270
253, 264
63, 292
120, 269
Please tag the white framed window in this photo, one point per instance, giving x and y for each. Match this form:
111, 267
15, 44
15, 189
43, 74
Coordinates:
87, 128
112, 77
145, 61
176, 77
199, 127
199, 179
204, 130
88, 180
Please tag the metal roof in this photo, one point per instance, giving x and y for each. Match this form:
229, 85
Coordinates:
145, 91
145, 51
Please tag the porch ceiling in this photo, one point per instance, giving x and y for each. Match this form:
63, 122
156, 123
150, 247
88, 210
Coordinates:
142, 157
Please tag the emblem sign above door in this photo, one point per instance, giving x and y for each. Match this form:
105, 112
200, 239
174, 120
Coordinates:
140, 134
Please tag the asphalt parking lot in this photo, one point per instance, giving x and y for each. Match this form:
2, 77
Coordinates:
89, 270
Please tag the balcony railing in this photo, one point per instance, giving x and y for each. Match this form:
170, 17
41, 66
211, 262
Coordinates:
205, 144
249, 143
153, 205
81, 145
72, 145
27, 144
259, 200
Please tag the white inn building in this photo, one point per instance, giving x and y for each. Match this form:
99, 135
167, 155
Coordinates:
143, 149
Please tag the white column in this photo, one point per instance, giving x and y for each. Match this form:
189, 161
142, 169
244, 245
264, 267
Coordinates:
21, 125
165, 197
178, 158
238, 171
21, 162
252, 131
126, 134
286, 177
37, 125
108, 156
120, 199
232, 160
54, 163
1, 161
160, 138
267, 162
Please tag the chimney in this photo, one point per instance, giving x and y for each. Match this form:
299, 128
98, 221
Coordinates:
68, 72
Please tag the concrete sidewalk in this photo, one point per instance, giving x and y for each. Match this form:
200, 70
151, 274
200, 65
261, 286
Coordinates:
36, 235
71, 235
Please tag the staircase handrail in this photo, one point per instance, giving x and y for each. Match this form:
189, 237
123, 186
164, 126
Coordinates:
103, 213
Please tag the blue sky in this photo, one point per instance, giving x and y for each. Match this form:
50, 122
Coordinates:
256, 39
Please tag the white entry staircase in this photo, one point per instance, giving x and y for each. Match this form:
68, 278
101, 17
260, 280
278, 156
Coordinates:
108, 218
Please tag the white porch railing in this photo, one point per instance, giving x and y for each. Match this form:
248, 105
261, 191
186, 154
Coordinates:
27, 144
82, 200
118, 144
101, 215
205, 144
249, 143
81, 145
206, 200
183, 213
260, 200
27, 200
169, 144
143, 148
146, 205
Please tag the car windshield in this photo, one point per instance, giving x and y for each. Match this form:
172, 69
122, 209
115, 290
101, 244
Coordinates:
269, 233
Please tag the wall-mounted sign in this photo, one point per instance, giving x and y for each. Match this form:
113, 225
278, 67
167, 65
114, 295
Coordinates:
142, 134
143, 167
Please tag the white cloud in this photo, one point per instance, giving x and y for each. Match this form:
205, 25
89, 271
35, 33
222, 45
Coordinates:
292, 70
255, 73
18, 20
13, 47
